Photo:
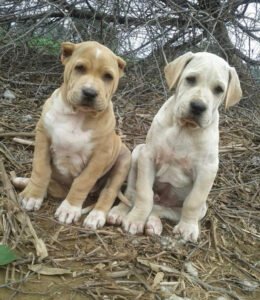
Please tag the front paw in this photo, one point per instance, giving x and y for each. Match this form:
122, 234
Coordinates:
189, 231
133, 224
67, 213
95, 219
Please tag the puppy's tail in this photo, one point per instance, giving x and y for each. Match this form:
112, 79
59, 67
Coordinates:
123, 198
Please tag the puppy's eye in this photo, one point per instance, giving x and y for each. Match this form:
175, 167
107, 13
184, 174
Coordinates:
108, 77
218, 90
191, 80
80, 68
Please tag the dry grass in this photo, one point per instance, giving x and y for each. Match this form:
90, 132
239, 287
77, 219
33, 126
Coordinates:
109, 264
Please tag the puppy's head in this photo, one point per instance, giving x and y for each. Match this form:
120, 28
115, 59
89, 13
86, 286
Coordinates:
201, 82
91, 75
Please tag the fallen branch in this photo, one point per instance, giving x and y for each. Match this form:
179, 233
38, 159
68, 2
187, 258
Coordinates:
231, 148
23, 141
14, 134
163, 268
8, 155
21, 216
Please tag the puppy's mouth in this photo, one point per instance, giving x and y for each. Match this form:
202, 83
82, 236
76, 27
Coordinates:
93, 106
90, 109
189, 123
86, 108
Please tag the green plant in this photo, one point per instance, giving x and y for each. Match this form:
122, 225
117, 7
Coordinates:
6, 255
47, 44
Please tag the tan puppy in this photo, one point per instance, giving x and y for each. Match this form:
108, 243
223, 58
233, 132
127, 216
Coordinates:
76, 143
177, 166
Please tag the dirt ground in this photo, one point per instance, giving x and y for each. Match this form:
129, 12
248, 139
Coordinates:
108, 263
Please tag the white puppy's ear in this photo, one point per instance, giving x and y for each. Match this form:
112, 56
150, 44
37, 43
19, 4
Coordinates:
67, 49
121, 65
234, 92
174, 69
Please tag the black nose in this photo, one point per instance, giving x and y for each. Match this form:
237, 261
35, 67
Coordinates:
88, 95
197, 107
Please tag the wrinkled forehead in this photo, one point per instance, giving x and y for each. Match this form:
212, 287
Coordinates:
95, 55
209, 66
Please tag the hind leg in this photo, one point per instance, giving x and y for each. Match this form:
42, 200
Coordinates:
35, 190
55, 190
32, 203
154, 224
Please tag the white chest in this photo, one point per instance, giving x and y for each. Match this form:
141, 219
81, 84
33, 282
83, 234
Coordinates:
174, 168
174, 159
71, 147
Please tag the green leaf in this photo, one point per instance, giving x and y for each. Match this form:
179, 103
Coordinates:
6, 255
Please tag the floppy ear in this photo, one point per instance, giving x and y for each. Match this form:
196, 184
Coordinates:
174, 69
234, 92
67, 49
121, 65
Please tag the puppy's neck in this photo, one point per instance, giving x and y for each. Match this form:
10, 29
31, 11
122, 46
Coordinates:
103, 122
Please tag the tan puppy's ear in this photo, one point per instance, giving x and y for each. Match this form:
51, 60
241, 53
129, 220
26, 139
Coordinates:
174, 69
121, 65
67, 49
234, 92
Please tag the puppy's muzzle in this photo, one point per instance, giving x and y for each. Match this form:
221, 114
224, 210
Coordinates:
195, 113
88, 97
197, 108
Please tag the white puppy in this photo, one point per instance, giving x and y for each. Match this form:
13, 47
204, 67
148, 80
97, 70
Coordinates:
173, 172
